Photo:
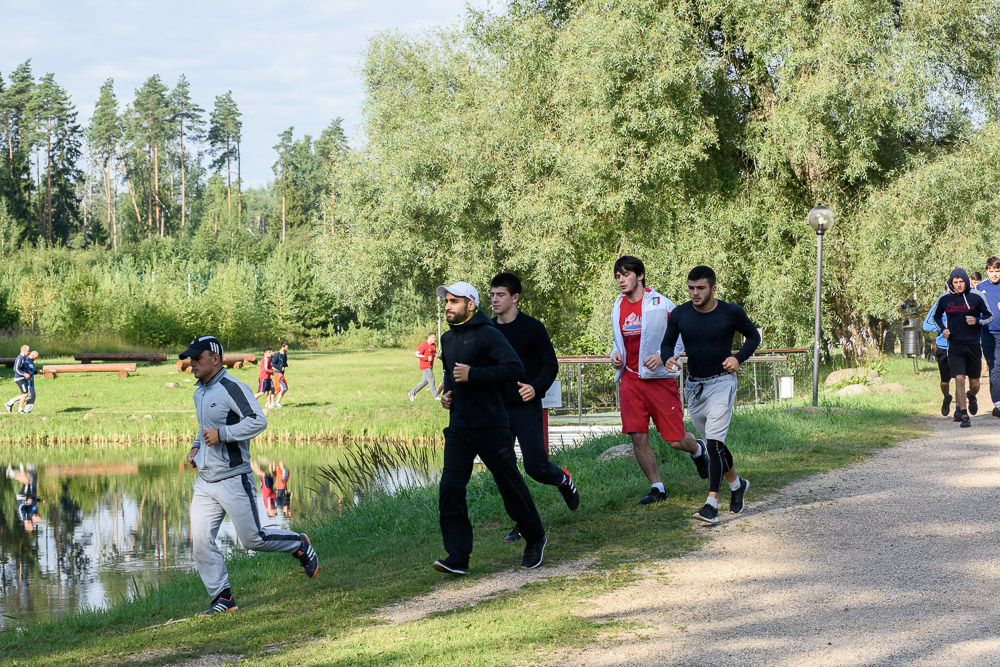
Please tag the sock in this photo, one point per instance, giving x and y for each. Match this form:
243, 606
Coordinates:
735, 486
228, 594
714, 502
659, 487
701, 450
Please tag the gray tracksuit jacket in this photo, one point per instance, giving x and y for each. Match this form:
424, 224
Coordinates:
227, 404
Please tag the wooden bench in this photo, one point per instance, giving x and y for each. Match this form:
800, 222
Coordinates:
52, 371
151, 357
228, 360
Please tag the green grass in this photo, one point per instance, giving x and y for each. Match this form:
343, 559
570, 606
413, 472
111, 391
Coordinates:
332, 395
379, 553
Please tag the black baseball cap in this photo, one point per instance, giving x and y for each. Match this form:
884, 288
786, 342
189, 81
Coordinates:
200, 344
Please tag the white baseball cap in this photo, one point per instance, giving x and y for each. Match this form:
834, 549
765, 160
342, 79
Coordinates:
461, 288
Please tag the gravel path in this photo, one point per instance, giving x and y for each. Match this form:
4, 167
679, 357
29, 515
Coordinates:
894, 561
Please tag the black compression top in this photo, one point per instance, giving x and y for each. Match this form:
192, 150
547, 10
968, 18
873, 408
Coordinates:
708, 337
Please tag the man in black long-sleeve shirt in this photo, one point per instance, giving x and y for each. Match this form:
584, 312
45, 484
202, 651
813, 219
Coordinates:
531, 341
478, 362
707, 326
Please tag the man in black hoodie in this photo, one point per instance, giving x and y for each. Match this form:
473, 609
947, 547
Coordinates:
967, 312
478, 362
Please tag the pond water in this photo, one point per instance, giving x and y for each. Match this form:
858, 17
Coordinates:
79, 531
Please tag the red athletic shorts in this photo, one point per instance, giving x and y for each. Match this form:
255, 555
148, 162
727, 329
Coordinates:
659, 399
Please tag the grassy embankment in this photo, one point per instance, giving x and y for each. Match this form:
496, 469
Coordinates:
380, 553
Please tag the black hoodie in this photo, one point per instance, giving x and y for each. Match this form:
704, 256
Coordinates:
478, 403
957, 307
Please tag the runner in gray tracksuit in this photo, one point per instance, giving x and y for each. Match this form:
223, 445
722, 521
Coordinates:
228, 418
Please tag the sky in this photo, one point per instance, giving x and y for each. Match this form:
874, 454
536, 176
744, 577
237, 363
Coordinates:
287, 64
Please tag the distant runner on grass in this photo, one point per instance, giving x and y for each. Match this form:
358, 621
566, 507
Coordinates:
228, 418
531, 341
21, 377
638, 321
708, 326
967, 312
426, 352
478, 362
279, 362
265, 386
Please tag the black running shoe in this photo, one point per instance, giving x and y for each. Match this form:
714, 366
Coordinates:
569, 492
966, 422
708, 514
513, 536
452, 565
654, 496
220, 605
958, 414
307, 556
996, 412
973, 403
701, 462
736, 502
946, 405
533, 552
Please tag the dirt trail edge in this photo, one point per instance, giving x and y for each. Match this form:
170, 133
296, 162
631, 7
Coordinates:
894, 561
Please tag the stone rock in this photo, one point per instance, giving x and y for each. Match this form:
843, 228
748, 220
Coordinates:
820, 408
854, 390
147, 416
45, 419
132, 417
844, 374
88, 416
617, 452
891, 388
172, 385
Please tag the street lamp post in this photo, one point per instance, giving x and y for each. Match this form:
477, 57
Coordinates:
821, 220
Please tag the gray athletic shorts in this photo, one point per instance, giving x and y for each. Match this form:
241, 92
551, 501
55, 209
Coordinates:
710, 404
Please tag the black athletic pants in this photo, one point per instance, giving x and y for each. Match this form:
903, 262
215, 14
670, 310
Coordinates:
526, 424
495, 446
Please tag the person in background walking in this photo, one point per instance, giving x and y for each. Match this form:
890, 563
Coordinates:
426, 352
478, 362
639, 320
228, 418
265, 386
941, 356
990, 289
967, 312
21, 377
279, 362
531, 341
708, 326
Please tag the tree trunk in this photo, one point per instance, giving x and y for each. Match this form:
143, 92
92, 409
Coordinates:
48, 179
229, 183
156, 192
333, 198
149, 189
112, 228
183, 184
128, 184
239, 185
282, 202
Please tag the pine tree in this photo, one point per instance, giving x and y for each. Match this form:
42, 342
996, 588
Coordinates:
14, 105
104, 135
224, 135
331, 143
150, 126
284, 148
187, 117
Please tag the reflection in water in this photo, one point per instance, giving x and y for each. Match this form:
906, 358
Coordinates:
96, 532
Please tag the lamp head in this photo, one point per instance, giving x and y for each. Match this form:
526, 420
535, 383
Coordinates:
821, 219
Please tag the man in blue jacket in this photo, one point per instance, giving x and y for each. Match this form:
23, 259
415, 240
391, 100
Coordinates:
941, 356
967, 312
228, 418
990, 289
478, 363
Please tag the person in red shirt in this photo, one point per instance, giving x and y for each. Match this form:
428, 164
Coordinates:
264, 383
426, 353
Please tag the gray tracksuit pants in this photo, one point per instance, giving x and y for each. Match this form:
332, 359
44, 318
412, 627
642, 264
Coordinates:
237, 497
426, 378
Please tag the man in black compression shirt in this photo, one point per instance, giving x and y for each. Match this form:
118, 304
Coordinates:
707, 326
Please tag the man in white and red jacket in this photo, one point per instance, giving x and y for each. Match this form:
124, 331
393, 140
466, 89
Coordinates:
647, 390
